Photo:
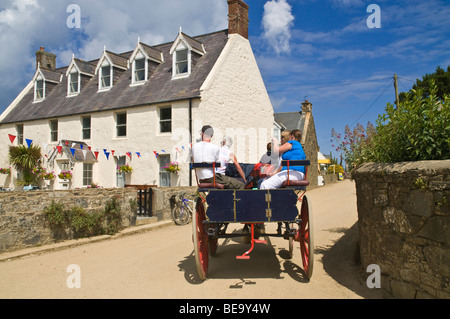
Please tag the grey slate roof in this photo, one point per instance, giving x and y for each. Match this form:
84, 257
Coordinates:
159, 88
291, 120
78, 155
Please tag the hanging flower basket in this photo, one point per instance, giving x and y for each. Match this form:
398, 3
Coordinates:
65, 175
126, 169
48, 176
6, 171
173, 167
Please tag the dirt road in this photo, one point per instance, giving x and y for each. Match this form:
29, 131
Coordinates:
160, 263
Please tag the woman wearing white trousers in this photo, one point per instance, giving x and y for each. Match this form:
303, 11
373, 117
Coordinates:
291, 150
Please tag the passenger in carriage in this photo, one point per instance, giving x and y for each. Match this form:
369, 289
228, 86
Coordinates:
291, 150
206, 152
226, 156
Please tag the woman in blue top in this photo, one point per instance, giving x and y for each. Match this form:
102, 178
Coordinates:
291, 150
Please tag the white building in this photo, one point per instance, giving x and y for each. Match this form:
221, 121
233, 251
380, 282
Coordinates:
143, 108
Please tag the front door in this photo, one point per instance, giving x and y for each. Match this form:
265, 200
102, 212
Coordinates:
120, 177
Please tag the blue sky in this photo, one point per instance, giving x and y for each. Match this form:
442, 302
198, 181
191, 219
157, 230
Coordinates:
319, 49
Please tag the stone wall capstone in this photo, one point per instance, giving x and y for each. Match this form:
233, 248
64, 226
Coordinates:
404, 226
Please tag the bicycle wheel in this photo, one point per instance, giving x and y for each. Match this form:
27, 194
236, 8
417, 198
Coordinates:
180, 215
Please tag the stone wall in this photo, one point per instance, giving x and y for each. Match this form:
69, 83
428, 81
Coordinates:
161, 203
22, 219
404, 225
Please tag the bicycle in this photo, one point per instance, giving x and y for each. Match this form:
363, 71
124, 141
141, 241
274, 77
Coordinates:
182, 210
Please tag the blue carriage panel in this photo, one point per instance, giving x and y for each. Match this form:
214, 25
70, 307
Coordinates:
251, 206
220, 206
283, 205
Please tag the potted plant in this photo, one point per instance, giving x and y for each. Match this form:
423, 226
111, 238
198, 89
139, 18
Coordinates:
173, 167
48, 176
6, 171
66, 175
126, 169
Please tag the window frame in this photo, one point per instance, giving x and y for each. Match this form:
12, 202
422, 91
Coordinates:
19, 131
53, 131
88, 173
101, 77
86, 129
175, 62
163, 121
39, 80
69, 83
121, 125
163, 174
134, 71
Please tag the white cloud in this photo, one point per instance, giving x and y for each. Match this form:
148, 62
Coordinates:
277, 22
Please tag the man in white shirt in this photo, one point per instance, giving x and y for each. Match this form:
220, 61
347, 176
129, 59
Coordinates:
205, 152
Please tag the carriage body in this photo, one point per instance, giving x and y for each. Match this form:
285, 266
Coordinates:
217, 207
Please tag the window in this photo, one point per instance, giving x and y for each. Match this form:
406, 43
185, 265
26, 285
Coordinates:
39, 90
87, 174
74, 83
86, 127
139, 70
165, 120
164, 176
181, 62
105, 77
54, 130
121, 124
19, 129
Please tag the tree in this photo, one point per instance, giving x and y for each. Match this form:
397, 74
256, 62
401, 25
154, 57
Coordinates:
440, 78
24, 159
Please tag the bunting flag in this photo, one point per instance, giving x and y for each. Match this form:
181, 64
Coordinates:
156, 154
84, 153
72, 150
96, 155
129, 154
107, 155
138, 154
11, 138
81, 146
29, 142
59, 147
112, 152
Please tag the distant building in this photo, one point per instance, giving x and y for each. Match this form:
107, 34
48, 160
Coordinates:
303, 121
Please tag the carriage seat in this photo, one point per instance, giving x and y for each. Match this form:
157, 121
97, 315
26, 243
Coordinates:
211, 186
302, 183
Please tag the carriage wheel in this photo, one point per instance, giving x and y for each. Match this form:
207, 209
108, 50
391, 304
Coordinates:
305, 237
200, 240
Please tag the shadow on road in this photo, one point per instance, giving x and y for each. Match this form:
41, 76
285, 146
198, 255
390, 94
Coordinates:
263, 263
341, 262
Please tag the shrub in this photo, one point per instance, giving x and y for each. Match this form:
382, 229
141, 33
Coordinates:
418, 129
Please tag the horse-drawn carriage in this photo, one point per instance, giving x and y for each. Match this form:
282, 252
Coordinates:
217, 207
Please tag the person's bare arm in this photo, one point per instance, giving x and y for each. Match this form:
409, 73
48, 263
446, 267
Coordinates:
238, 167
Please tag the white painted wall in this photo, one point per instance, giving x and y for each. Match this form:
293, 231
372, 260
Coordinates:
235, 101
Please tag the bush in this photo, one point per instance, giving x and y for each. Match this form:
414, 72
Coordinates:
418, 129
82, 223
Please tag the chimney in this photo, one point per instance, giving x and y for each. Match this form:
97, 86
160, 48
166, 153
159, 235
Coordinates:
238, 17
306, 107
45, 59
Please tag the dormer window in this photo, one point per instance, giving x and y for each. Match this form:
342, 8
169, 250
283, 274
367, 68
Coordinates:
78, 73
105, 77
184, 50
44, 82
109, 65
39, 90
74, 83
139, 70
144, 60
182, 61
